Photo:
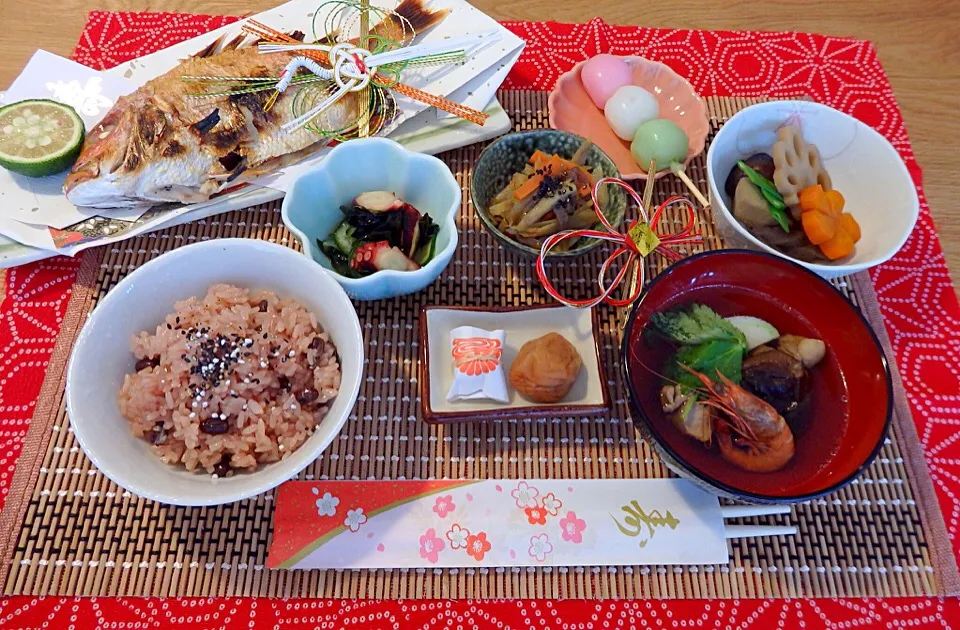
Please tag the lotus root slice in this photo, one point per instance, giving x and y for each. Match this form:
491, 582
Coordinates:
797, 165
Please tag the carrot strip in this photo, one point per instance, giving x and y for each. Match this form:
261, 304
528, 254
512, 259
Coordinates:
552, 165
528, 187
556, 165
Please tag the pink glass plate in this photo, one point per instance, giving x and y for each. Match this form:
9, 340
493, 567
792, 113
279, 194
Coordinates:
572, 110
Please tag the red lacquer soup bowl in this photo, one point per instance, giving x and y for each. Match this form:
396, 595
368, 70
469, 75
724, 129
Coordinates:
845, 416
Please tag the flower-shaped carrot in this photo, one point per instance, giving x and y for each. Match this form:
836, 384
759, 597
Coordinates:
826, 224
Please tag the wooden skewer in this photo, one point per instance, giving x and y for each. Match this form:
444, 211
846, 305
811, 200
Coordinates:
648, 188
680, 171
635, 274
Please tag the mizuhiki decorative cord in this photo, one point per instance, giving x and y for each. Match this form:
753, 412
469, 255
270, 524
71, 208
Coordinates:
370, 65
355, 68
640, 240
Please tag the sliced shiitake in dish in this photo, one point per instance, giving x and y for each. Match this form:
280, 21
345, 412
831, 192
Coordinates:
760, 162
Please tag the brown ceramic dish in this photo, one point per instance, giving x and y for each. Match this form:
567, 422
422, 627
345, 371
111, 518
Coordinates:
589, 395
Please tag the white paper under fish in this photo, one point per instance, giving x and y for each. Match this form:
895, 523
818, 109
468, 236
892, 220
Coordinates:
40, 200
472, 84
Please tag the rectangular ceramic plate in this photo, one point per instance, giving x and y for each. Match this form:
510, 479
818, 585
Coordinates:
521, 324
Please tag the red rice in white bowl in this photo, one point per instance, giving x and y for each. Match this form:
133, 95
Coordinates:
230, 380
114, 405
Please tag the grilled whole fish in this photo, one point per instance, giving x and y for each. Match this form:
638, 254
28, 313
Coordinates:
161, 145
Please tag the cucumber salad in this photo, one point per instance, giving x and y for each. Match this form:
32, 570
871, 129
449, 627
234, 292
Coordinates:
380, 232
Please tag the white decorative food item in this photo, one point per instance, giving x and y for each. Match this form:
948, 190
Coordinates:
628, 108
756, 330
477, 370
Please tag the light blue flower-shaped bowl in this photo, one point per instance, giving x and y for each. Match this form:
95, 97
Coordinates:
311, 210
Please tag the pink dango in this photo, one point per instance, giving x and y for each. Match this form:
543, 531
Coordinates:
603, 75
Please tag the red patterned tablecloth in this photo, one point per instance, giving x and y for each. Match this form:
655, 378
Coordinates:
917, 298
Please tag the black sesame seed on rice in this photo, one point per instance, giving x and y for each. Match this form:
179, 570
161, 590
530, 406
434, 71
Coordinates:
214, 357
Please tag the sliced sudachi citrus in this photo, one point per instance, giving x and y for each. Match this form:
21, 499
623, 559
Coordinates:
39, 137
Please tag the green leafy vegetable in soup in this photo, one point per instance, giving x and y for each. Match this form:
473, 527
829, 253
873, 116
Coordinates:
708, 344
718, 355
695, 325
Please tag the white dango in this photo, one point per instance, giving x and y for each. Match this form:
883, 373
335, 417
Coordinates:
628, 108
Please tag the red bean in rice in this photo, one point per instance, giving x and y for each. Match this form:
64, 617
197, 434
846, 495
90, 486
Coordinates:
233, 380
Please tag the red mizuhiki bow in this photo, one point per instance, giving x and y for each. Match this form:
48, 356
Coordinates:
641, 238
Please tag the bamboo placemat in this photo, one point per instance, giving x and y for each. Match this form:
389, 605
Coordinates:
67, 530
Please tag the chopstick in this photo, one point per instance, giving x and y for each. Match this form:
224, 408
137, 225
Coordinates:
752, 531
741, 511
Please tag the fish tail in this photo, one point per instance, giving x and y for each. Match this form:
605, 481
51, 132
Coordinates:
419, 17
412, 14
239, 41
209, 49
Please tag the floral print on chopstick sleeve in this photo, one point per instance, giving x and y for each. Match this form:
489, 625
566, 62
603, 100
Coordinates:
571, 528
355, 518
536, 515
431, 546
525, 495
444, 505
540, 547
457, 536
478, 545
327, 504
551, 504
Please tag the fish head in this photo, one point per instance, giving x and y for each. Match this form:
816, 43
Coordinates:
132, 159
95, 179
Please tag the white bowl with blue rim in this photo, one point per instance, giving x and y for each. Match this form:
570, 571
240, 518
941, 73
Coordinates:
311, 209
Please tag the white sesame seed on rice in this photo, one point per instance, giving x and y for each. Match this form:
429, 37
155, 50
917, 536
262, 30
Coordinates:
260, 428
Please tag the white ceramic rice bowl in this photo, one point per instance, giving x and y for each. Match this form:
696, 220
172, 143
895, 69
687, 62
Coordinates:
101, 358
862, 164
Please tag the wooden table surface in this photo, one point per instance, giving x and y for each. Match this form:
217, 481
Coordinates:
920, 50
